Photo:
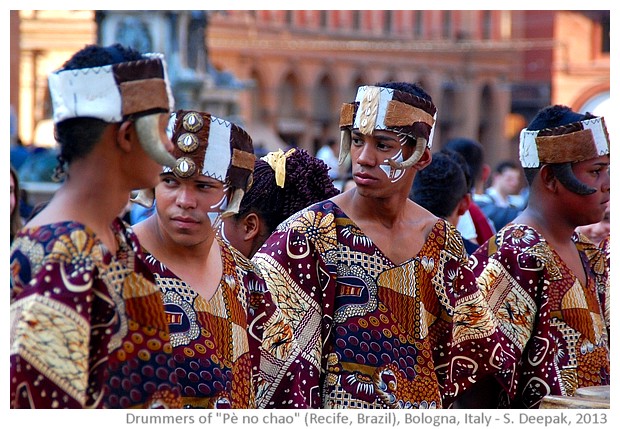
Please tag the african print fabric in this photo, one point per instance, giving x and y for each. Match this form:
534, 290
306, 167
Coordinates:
215, 349
354, 330
88, 329
556, 327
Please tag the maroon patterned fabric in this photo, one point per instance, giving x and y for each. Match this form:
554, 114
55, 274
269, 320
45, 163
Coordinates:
354, 330
556, 327
88, 328
215, 348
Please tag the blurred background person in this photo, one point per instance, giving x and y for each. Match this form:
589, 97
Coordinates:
502, 201
443, 189
473, 225
328, 153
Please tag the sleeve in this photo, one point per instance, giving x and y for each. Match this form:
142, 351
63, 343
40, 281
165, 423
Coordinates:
49, 336
467, 345
511, 280
291, 353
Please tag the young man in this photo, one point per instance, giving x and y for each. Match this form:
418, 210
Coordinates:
376, 305
473, 225
284, 183
502, 202
88, 329
209, 289
547, 285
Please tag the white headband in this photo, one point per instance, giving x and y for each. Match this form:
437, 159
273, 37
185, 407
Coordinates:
580, 141
106, 94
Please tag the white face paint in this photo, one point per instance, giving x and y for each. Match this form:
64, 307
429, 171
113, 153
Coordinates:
215, 214
395, 174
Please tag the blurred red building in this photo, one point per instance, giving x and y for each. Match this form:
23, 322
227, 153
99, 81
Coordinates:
487, 71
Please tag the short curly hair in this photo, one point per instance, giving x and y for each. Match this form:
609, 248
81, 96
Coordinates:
307, 182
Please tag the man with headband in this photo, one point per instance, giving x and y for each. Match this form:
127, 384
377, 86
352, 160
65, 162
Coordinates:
547, 285
376, 307
209, 289
88, 329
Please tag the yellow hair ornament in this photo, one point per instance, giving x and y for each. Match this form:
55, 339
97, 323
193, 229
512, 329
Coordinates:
277, 161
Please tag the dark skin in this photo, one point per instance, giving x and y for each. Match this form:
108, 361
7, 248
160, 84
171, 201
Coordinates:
381, 207
554, 212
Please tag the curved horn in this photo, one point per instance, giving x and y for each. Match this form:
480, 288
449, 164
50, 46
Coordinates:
145, 198
566, 176
148, 134
235, 203
420, 147
345, 145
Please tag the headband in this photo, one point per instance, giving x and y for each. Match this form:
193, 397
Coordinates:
379, 108
574, 142
112, 92
210, 146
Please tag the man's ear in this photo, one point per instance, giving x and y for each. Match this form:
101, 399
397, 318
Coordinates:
124, 135
424, 160
251, 226
547, 178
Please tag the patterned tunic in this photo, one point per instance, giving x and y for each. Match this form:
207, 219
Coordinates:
556, 327
216, 355
88, 329
354, 330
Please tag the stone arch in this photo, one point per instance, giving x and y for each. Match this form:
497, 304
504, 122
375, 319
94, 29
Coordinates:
257, 111
290, 109
324, 113
492, 115
484, 121
447, 116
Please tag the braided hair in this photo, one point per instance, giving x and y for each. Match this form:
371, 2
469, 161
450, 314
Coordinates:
307, 182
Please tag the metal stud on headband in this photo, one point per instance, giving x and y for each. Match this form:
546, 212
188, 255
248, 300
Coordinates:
209, 146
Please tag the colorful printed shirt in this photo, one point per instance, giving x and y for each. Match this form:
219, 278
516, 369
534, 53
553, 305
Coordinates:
215, 349
556, 327
88, 329
354, 330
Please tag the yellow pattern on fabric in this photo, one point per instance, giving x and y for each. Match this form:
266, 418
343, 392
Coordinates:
52, 338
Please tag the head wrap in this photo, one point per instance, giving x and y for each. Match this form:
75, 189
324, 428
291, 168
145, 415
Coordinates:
380, 108
112, 92
115, 92
209, 146
574, 142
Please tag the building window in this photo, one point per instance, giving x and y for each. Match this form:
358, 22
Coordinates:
446, 27
357, 19
387, 22
418, 24
323, 18
486, 24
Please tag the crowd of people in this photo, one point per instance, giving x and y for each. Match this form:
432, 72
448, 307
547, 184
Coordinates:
258, 283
